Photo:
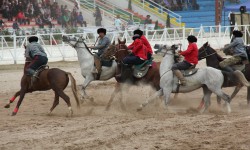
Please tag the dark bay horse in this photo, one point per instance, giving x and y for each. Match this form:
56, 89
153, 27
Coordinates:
55, 79
213, 59
152, 77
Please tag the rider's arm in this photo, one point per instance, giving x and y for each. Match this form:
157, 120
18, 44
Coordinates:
137, 45
131, 46
231, 45
27, 51
189, 50
103, 44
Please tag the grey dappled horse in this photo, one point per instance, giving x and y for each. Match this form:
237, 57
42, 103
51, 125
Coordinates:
208, 78
86, 60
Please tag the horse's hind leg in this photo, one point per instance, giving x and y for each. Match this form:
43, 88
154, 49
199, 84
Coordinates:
224, 96
206, 98
55, 103
65, 97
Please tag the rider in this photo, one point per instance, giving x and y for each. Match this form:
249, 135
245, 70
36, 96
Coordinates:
145, 42
36, 53
191, 59
138, 55
239, 52
103, 44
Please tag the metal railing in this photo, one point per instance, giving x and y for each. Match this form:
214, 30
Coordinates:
160, 11
12, 46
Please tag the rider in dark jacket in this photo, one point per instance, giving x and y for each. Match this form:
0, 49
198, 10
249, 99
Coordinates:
37, 54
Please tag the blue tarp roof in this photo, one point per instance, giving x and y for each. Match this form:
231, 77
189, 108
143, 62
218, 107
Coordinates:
236, 8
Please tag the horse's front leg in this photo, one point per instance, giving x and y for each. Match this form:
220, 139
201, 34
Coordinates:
12, 99
150, 99
84, 86
236, 90
22, 94
115, 92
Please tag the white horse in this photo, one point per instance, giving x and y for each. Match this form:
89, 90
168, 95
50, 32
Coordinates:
208, 78
86, 60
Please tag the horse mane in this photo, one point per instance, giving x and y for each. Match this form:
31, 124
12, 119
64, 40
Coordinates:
219, 57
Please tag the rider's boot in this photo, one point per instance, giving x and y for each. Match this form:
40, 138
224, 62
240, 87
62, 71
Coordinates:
32, 74
98, 66
180, 76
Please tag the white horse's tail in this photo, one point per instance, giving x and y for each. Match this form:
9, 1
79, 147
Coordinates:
242, 78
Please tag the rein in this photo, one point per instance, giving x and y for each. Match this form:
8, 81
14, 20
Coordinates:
81, 40
206, 55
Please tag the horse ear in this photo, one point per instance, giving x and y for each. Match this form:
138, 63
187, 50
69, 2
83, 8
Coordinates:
119, 41
114, 42
125, 40
206, 44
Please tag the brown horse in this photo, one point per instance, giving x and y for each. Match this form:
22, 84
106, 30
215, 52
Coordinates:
152, 77
54, 79
213, 59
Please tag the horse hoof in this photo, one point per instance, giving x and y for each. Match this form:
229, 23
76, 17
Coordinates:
13, 113
7, 106
107, 108
139, 109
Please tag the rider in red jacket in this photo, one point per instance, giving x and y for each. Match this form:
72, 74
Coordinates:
145, 42
191, 58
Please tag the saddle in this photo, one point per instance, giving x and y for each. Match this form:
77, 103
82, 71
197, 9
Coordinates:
141, 70
190, 71
40, 69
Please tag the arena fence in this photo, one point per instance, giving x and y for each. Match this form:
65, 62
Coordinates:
12, 46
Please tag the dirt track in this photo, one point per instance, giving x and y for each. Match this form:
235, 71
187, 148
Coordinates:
91, 127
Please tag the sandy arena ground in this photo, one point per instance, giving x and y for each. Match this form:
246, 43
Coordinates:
91, 127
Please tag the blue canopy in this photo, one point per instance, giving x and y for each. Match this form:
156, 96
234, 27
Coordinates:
236, 8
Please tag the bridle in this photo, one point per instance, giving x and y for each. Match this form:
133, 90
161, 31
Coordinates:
206, 54
80, 40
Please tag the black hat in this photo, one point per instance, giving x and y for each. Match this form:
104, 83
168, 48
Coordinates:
138, 31
136, 36
191, 39
33, 39
237, 33
101, 30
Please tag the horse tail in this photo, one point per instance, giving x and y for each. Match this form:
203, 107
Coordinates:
242, 78
73, 88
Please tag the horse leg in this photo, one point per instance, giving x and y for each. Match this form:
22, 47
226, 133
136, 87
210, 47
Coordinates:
206, 99
236, 90
22, 94
84, 86
248, 96
55, 103
167, 91
117, 90
12, 99
65, 97
225, 97
150, 99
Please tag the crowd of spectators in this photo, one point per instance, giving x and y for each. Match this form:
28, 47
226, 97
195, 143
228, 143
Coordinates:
176, 5
43, 12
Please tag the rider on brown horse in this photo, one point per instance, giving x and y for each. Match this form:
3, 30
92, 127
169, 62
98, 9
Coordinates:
103, 44
238, 51
138, 55
36, 53
145, 42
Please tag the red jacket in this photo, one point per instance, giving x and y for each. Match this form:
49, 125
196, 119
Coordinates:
146, 43
139, 49
191, 54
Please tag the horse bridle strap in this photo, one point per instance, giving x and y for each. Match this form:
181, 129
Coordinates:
81, 40
207, 55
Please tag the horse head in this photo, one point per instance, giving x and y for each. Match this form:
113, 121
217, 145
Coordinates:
121, 50
206, 51
164, 49
74, 41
